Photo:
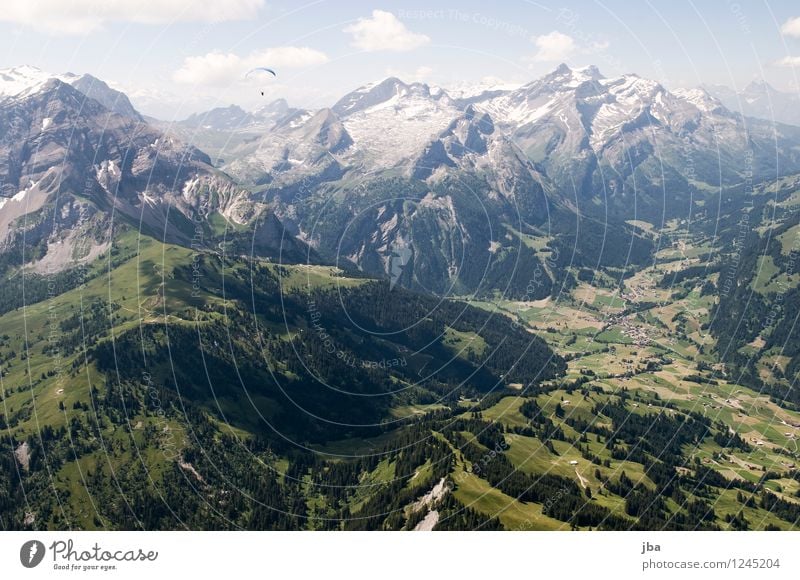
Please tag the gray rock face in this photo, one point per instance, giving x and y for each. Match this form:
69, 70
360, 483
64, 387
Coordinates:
111, 99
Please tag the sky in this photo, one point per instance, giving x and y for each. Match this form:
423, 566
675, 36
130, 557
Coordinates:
176, 57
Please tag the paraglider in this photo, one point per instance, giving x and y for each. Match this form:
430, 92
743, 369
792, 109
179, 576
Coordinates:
260, 70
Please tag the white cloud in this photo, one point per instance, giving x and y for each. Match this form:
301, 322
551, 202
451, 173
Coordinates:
221, 69
421, 74
555, 46
82, 16
788, 61
384, 32
791, 27
214, 68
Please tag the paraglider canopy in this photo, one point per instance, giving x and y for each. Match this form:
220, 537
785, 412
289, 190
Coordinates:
260, 68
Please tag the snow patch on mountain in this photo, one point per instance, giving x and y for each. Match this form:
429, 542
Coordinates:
700, 98
464, 91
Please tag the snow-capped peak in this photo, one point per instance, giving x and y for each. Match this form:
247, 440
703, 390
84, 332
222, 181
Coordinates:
392, 120
25, 80
390, 90
543, 97
565, 77
21, 80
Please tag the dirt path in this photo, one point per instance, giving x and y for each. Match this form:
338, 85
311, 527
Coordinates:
584, 481
741, 463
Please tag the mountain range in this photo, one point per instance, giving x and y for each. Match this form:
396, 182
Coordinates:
480, 191
394, 165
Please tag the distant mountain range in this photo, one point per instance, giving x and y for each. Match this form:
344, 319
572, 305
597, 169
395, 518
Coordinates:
480, 189
759, 99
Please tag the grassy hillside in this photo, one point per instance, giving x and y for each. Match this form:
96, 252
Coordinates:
125, 384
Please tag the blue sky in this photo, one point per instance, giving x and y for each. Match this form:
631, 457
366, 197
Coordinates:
187, 56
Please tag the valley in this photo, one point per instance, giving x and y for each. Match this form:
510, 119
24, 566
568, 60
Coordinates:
515, 452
